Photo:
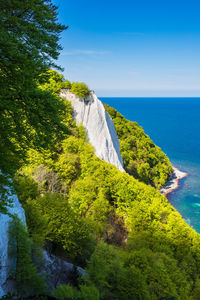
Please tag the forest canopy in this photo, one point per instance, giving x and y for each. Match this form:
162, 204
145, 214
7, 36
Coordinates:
29, 46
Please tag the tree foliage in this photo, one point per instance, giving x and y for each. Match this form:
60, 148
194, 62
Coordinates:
54, 82
80, 89
51, 217
86, 292
22, 269
142, 158
29, 46
161, 257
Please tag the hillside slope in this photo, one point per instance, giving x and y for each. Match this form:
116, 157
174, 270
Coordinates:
131, 241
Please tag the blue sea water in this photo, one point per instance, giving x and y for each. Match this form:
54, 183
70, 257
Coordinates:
174, 125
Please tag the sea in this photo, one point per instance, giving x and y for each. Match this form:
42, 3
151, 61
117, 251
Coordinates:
174, 125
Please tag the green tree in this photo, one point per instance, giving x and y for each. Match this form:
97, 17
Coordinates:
50, 217
22, 269
106, 270
80, 89
55, 82
29, 35
64, 292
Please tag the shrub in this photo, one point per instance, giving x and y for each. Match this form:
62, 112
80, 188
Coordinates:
80, 89
67, 85
65, 292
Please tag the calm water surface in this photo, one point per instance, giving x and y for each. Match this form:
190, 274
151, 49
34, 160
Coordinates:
174, 125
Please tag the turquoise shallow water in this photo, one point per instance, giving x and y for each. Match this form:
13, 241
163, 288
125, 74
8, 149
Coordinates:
174, 125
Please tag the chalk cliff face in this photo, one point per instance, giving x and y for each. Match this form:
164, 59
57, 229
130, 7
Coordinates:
4, 226
99, 126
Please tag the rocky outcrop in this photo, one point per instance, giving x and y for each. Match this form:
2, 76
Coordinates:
58, 271
173, 183
4, 226
99, 126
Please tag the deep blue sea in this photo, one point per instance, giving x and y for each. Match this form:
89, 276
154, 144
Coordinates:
174, 125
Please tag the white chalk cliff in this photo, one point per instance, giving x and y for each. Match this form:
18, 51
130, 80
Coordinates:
99, 126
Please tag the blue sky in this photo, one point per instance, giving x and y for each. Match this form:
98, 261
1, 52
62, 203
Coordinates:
132, 48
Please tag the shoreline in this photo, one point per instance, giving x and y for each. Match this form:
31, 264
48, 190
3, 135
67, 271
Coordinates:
173, 183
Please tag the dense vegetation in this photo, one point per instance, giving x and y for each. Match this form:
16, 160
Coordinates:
142, 158
29, 36
24, 271
132, 242
80, 89
55, 82
29, 115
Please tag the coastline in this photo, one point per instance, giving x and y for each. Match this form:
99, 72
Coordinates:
173, 183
